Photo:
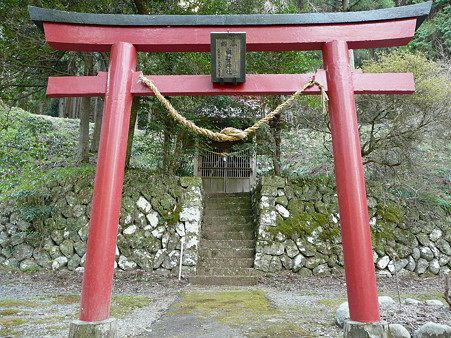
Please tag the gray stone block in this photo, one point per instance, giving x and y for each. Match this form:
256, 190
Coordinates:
342, 313
398, 331
433, 330
74, 262
386, 300
67, 248
104, 329
422, 266
365, 330
22, 251
28, 263
59, 262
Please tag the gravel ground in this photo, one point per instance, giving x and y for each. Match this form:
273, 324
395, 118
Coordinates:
43, 304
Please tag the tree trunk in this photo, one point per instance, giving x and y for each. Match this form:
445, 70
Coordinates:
97, 126
68, 107
300, 4
175, 162
100, 65
83, 140
345, 5
141, 7
85, 112
131, 129
166, 151
61, 106
276, 154
167, 148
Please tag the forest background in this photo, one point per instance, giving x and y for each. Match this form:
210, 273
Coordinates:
405, 139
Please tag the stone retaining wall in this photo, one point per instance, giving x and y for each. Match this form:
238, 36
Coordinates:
47, 227
297, 227
298, 230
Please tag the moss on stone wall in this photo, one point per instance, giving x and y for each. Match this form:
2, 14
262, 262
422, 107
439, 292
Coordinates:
46, 224
298, 230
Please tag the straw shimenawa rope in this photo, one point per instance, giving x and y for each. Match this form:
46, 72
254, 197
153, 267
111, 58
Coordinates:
228, 134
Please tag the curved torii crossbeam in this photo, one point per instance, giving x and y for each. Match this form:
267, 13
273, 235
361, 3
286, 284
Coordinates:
334, 34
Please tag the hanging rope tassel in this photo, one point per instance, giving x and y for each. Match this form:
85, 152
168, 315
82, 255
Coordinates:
230, 134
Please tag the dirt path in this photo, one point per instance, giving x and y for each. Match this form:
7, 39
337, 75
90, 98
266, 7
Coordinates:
259, 311
149, 305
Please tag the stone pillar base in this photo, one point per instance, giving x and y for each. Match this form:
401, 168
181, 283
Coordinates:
365, 330
104, 329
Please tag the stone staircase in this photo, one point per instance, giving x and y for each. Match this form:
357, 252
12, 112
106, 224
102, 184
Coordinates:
227, 244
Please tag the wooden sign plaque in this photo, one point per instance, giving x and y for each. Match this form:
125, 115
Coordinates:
228, 57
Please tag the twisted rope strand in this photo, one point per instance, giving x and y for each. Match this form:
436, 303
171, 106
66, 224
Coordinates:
229, 134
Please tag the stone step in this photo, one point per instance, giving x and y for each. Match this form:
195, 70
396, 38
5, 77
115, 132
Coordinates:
227, 200
228, 244
226, 262
227, 253
225, 227
224, 280
208, 233
231, 211
233, 194
225, 271
231, 219
226, 206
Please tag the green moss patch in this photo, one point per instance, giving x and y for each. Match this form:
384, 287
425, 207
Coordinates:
9, 322
67, 300
282, 329
331, 302
50, 320
420, 296
299, 222
303, 223
10, 312
228, 308
121, 306
55, 328
8, 303
390, 212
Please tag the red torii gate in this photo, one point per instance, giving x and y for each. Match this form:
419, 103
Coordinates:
333, 33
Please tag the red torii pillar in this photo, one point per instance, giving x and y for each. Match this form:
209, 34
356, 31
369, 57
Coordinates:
334, 34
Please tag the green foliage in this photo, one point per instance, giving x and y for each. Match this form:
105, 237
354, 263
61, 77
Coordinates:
443, 201
146, 151
346, 6
434, 36
35, 201
30, 144
318, 180
393, 126
444, 204
31, 212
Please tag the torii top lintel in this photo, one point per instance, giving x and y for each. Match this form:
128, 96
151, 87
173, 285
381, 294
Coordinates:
191, 33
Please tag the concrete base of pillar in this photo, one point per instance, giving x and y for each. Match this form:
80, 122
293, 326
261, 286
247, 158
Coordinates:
104, 329
365, 330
